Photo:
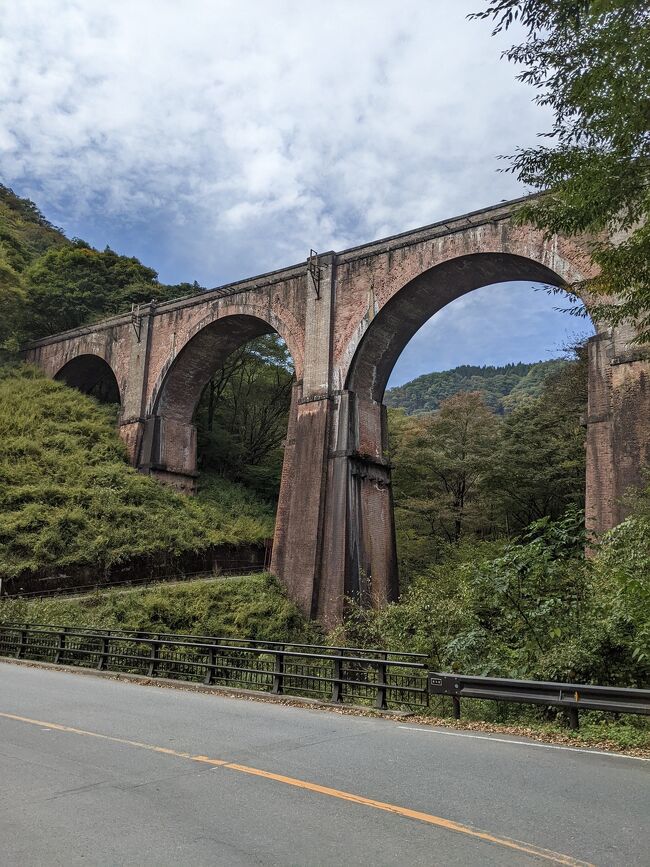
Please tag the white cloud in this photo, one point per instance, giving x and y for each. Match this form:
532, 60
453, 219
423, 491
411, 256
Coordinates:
249, 131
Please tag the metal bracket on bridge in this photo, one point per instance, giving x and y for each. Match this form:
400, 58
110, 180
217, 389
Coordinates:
315, 271
136, 320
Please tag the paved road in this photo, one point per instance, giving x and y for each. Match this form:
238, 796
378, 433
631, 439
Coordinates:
181, 778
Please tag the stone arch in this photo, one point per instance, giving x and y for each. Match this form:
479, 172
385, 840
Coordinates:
206, 348
362, 472
375, 351
93, 375
169, 447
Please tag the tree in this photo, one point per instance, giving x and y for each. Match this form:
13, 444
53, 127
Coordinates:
441, 461
539, 468
12, 303
74, 284
243, 412
590, 63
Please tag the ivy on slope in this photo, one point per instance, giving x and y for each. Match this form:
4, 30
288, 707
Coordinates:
69, 499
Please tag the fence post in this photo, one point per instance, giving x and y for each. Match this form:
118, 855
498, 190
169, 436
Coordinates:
103, 654
61, 646
22, 643
337, 686
212, 659
278, 673
380, 697
153, 659
456, 703
574, 722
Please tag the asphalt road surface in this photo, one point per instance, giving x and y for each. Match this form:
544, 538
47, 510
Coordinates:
102, 772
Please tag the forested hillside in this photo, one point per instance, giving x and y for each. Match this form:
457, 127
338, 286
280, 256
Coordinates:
502, 388
49, 283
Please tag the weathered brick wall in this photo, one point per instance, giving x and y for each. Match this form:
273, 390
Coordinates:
618, 425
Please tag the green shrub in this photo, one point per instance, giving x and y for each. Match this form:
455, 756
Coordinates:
533, 609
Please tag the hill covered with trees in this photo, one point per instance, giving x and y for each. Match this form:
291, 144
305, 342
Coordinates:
49, 283
502, 388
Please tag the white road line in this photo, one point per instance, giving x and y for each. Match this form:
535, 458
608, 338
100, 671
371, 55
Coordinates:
525, 743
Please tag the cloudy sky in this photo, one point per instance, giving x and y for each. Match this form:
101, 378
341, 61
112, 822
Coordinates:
218, 139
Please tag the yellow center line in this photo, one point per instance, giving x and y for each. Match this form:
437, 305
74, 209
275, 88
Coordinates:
427, 818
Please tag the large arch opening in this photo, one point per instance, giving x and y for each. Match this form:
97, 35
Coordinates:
222, 409
477, 453
412, 306
91, 375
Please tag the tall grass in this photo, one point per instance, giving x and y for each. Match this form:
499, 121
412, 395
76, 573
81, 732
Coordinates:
68, 498
254, 606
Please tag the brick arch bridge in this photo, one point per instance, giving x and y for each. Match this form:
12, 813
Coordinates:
345, 318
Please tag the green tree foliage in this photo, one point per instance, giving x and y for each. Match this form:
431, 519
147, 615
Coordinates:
465, 471
75, 284
12, 306
50, 284
441, 462
68, 499
24, 235
243, 414
589, 61
539, 468
535, 608
502, 388
623, 562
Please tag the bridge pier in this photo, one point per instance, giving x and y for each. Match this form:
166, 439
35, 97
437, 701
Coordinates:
360, 556
168, 452
131, 425
618, 446
335, 534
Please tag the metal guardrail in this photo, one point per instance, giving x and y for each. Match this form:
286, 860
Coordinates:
352, 675
384, 679
571, 697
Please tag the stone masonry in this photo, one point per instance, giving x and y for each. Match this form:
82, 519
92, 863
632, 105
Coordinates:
346, 318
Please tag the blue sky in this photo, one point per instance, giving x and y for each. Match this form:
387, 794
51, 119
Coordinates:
218, 139
492, 325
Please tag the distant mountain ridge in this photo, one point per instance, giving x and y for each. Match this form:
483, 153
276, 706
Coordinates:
503, 388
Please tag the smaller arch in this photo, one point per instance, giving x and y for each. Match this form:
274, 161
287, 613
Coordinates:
91, 375
183, 379
218, 327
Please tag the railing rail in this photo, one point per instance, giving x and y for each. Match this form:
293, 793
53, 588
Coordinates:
572, 697
212, 639
381, 678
